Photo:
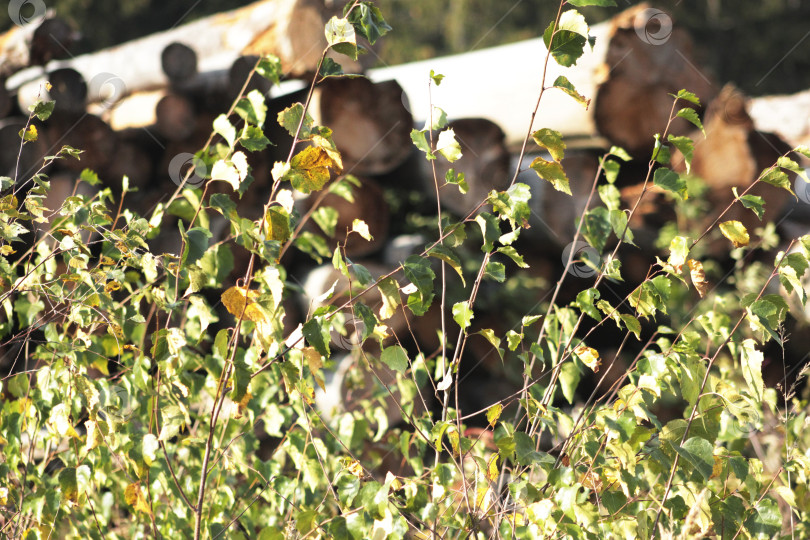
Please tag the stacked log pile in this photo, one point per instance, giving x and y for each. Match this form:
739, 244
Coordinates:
138, 107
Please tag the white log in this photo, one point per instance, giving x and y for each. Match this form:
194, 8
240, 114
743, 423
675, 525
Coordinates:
291, 29
787, 116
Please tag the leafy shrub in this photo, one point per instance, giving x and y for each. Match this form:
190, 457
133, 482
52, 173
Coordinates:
134, 408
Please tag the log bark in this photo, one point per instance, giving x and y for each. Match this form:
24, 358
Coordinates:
290, 29
370, 124
68, 90
238, 74
484, 163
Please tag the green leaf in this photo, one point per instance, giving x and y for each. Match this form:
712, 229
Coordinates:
552, 141
252, 108
417, 271
290, 117
618, 222
339, 30
462, 314
585, 301
495, 271
632, 324
490, 231
512, 253
316, 332
600, 3
597, 227
688, 96
69, 484
395, 358
224, 128
671, 181
686, 146
752, 202
368, 21
253, 139
512, 204
567, 42
490, 336
565, 85
690, 115
451, 177
699, 453
751, 364
196, 243
569, 380
449, 256
269, 67
330, 68
438, 118
277, 221
448, 146
553, 173
361, 227
678, 252
791, 269
776, 177
765, 520
42, 109
419, 139
325, 217
436, 78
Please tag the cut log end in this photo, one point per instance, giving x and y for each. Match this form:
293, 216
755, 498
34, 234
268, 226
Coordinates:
179, 62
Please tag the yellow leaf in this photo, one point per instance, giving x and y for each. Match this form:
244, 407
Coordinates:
492, 468
736, 232
698, 277
240, 302
355, 469
717, 468
310, 169
589, 357
135, 498
7, 250
591, 481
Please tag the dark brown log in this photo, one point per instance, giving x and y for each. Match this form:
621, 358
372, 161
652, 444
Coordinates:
179, 62
35, 44
52, 40
371, 126
484, 163
369, 205
291, 29
238, 74
68, 90
647, 59
88, 133
175, 117
6, 101
16, 162
732, 154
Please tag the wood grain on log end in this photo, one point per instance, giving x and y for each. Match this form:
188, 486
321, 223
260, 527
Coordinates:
484, 162
179, 62
647, 59
371, 126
